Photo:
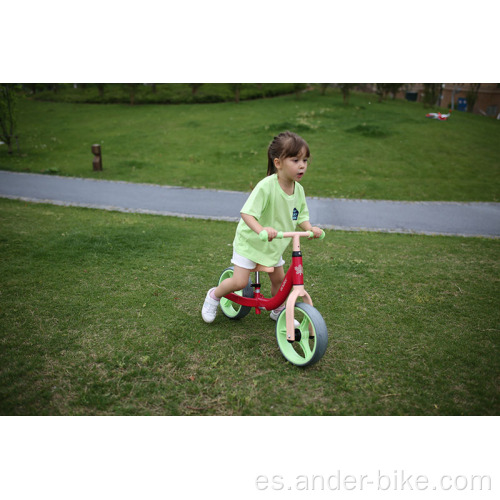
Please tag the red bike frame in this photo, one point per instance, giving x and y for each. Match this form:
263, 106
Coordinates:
293, 282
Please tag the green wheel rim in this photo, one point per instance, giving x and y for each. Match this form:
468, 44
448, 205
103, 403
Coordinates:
228, 307
306, 351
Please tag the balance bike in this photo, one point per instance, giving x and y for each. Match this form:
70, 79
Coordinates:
301, 345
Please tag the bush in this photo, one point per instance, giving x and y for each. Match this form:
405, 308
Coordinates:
162, 93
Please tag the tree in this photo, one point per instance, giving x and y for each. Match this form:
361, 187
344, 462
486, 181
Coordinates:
195, 87
7, 115
394, 88
236, 87
100, 87
33, 87
381, 90
431, 93
132, 88
472, 96
345, 88
324, 86
387, 88
298, 88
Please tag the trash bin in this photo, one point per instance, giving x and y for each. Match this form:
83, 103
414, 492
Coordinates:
462, 104
412, 96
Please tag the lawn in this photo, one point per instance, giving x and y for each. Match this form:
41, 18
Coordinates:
100, 315
365, 149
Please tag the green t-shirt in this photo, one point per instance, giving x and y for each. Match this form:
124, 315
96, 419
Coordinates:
272, 207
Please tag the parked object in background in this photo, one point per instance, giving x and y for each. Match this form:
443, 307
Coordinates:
462, 104
438, 116
97, 161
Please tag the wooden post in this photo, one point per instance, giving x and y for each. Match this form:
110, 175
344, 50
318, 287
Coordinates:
97, 162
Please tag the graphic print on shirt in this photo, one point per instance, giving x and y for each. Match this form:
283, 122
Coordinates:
295, 214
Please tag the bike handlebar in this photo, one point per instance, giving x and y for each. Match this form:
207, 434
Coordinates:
304, 234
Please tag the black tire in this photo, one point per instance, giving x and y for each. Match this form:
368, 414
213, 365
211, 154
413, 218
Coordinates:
306, 351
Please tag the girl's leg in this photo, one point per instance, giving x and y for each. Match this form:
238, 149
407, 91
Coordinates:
238, 281
277, 278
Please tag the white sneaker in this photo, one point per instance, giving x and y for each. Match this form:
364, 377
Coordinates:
209, 310
276, 312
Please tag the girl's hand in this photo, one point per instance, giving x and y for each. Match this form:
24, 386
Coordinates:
271, 233
317, 232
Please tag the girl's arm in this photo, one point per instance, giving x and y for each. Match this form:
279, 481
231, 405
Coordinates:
254, 225
306, 226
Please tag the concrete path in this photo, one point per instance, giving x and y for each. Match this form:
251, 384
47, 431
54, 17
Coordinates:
447, 218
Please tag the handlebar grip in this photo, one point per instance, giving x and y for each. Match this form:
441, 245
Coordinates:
265, 237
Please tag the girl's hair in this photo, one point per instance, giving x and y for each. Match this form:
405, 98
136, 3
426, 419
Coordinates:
285, 145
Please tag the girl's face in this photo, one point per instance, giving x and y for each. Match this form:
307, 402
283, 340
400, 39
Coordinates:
292, 168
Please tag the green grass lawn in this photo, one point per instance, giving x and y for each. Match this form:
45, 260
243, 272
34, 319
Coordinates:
100, 315
365, 149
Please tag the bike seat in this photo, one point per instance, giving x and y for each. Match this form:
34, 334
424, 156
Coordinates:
260, 268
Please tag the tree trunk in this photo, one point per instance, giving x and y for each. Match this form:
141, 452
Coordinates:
472, 96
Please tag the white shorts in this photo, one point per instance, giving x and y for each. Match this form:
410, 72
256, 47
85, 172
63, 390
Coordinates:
240, 261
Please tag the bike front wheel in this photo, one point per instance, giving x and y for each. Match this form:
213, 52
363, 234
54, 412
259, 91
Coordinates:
307, 348
230, 308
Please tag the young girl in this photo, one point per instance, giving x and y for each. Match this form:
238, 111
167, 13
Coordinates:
277, 203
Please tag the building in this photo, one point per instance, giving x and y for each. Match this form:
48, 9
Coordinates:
487, 102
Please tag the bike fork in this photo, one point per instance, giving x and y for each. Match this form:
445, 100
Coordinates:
297, 291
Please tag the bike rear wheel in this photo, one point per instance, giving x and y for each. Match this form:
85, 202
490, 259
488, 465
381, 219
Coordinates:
304, 351
230, 308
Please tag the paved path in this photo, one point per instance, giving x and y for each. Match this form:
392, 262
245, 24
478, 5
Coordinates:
448, 218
